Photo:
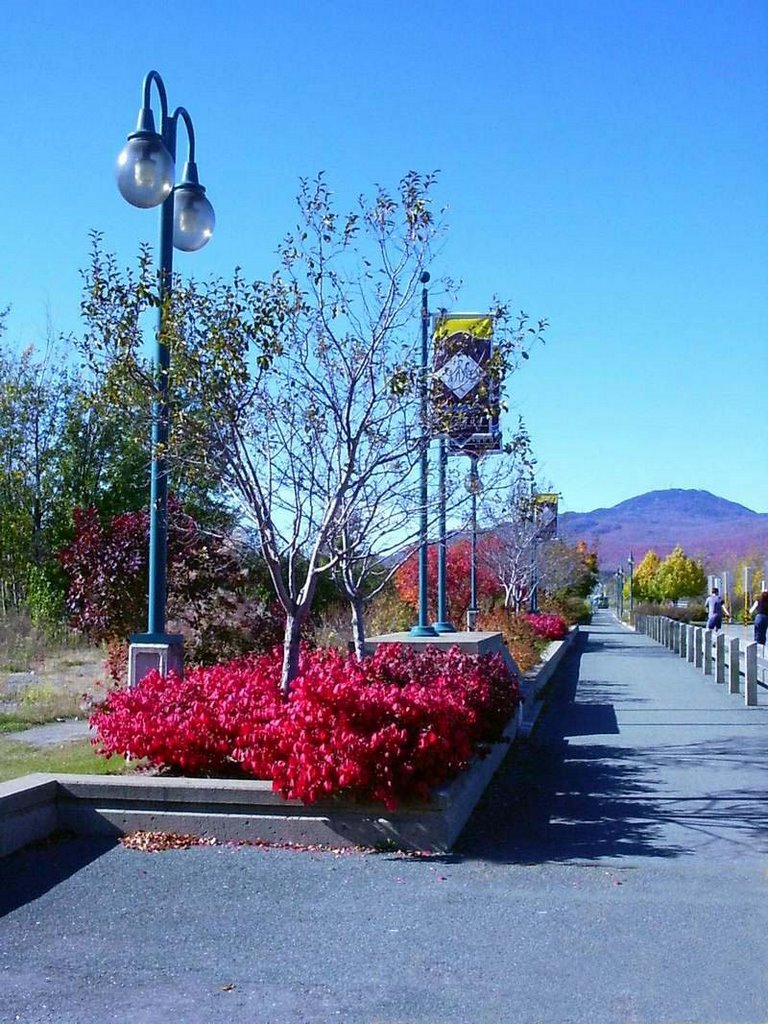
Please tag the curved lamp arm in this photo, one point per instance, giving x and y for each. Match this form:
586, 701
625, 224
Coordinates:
193, 216
146, 170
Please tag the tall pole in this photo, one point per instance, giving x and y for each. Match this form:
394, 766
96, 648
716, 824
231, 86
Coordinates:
747, 588
146, 176
631, 564
533, 603
443, 624
423, 628
158, 487
474, 487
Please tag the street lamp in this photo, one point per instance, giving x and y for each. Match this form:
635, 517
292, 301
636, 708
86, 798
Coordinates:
145, 175
631, 564
620, 592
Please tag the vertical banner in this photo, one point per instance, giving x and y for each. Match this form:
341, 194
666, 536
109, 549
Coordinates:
465, 389
545, 515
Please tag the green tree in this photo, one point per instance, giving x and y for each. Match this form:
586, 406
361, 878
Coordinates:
34, 390
680, 576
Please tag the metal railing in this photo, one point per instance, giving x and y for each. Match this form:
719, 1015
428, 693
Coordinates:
726, 658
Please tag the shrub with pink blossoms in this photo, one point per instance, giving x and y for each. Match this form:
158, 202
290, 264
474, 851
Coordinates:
389, 728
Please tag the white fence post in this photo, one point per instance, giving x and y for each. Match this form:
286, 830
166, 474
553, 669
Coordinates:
707, 652
750, 669
697, 640
720, 658
691, 642
733, 664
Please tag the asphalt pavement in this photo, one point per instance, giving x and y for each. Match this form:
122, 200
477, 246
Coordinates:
614, 873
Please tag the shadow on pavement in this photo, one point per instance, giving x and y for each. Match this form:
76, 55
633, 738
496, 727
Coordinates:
556, 801
31, 872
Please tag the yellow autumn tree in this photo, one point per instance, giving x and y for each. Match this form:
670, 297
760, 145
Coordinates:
680, 576
645, 586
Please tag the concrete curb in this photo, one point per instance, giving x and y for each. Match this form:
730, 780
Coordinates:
33, 807
533, 684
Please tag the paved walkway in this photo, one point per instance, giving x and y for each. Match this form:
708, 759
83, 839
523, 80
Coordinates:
615, 873
52, 733
639, 755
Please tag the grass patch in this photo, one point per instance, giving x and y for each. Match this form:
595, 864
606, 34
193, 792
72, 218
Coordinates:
77, 756
38, 706
16, 721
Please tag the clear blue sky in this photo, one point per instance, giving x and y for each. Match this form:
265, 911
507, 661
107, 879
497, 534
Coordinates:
604, 163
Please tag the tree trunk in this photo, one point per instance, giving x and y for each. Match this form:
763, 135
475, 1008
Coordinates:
358, 627
291, 650
37, 530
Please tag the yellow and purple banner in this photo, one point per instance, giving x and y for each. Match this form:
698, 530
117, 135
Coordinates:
545, 515
465, 389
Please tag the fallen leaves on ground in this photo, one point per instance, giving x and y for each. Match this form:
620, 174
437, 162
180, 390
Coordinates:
157, 842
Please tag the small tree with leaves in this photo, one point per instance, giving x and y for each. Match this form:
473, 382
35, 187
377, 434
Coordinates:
296, 392
680, 576
299, 395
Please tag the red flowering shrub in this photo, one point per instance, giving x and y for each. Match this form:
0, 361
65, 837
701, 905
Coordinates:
523, 642
389, 728
549, 626
458, 560
194, 723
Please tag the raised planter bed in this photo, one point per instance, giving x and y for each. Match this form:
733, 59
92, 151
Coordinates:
33, 807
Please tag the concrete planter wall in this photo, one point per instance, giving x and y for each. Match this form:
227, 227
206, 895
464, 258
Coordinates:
36, 805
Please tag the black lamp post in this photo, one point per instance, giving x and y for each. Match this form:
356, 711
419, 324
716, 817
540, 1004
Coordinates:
620, 592
474, 486
145, 176
631, 564
423, 628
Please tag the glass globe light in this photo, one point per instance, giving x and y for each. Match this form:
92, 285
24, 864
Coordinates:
193, 216
145, 170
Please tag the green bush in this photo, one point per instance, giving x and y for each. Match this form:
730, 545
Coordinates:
575, 610
689, 613
46, 591
388, 613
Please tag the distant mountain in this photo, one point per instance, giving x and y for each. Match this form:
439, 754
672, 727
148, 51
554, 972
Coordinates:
717, 531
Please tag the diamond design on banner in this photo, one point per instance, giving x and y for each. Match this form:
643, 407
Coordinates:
460, 374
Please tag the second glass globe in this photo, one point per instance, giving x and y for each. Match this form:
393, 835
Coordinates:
193, 218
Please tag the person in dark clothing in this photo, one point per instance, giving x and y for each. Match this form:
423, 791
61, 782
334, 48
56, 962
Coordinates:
715, 607
760, 610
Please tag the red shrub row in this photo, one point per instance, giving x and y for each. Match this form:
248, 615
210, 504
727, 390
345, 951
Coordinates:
548, 625
389, 728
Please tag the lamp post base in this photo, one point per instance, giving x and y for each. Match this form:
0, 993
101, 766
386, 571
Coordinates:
443, 627
422, 631
161, 652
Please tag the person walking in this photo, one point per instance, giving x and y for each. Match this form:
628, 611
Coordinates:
760, 610
715, 606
